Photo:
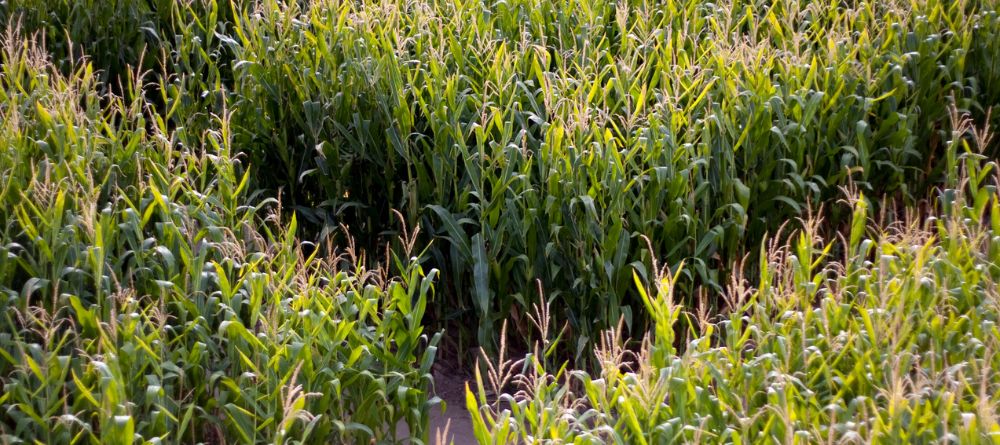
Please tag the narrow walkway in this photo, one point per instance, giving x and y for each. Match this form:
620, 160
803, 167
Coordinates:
451, 389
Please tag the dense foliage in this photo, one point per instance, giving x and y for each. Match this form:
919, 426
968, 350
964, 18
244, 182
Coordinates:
536, 140
144, 296
895, 342
250, 220
540, 138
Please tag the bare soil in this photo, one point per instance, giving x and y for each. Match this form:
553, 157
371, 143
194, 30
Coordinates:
450, 419
450, 387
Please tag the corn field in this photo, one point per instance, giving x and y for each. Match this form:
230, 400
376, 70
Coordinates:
639, 221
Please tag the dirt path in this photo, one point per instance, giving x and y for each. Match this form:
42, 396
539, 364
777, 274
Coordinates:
450, 388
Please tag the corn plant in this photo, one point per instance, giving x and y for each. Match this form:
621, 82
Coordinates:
247, 220
148, 297
894, 342
538, 140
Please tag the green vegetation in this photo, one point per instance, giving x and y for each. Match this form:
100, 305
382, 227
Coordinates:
896, 342
145, 295
252, 220
537, 140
